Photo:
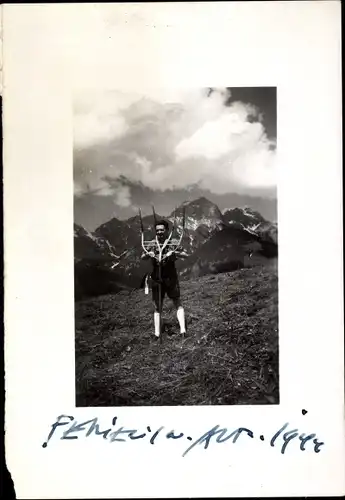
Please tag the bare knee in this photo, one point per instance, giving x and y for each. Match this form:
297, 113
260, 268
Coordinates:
177, 303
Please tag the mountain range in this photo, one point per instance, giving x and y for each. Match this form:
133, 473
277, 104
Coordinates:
109, 258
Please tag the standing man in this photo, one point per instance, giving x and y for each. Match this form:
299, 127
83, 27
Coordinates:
169, 277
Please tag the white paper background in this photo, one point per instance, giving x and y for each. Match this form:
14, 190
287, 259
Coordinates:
51, 50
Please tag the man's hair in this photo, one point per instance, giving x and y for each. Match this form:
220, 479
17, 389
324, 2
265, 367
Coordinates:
164, 223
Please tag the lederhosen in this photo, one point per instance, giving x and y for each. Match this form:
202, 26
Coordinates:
169, 278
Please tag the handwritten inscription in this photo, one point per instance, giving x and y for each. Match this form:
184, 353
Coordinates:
66, 427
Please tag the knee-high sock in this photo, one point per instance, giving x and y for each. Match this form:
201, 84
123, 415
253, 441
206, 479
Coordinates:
180, 317
156, 321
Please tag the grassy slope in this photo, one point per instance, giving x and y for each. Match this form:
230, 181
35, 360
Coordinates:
229, 356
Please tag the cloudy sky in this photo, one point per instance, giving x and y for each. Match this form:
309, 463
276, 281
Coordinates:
169, 146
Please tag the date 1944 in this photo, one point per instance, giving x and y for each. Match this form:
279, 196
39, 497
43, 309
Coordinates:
281, 439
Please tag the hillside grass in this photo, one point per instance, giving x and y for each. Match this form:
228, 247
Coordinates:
229, 355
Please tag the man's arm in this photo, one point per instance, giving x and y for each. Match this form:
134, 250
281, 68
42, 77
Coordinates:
179, 254
150, 254
145, 256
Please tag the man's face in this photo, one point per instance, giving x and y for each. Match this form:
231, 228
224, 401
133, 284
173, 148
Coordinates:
161, 232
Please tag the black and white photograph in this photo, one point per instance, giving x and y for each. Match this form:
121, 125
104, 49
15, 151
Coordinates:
168, 168
176, 247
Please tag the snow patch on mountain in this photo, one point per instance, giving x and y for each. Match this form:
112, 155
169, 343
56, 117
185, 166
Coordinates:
248, 212
92, 236
249, 230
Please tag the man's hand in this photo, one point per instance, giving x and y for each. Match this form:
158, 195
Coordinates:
182, 254
146, 256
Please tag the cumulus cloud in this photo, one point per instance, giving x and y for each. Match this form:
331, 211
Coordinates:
102, 188
123, 196
78, 189
229, 132
170, 138
113, 188
97, 117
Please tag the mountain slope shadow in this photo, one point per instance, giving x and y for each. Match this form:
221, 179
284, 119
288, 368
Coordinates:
227, 250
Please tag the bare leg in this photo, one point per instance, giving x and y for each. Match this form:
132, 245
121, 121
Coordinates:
156, 317
177, 303
180, 315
